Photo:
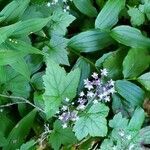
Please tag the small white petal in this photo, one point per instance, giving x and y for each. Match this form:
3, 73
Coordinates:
64, 125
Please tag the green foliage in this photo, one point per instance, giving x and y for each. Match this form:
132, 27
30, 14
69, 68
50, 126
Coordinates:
58, 86
67, 67
61, 136
93, 122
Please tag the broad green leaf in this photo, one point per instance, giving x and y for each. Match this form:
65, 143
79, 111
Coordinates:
86, 7
145, 135
58, 86
100, 61
93, 122
108, 16
113, 64
30, 26
137, 17
60, 136
6, 32
60, 21
56, 50
14, 10
137, 120
15, 83
133, 64
9, 57
90, 41
130, 36
28, 145
131, 92
21, 67
3, 140
20, 131
145, 80
85, 69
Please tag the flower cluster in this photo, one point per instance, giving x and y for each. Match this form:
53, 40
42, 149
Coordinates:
66, 114
97, 89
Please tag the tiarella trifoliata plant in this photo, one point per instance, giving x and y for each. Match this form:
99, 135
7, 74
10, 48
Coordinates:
74, 74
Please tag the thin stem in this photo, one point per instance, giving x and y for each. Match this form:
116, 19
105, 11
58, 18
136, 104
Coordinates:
11, 104
23, 99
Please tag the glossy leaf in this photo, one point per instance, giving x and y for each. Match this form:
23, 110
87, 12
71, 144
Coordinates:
86, 7
90, 41
131, 92
108, 16
130, 36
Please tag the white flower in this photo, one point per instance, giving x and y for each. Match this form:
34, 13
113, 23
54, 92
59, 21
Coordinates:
107, 98
67, 99
64, 125
95, 75
111, 82
82, 94
88, 84
95, 101
129, 137
104, 72
112, 90
48, 4
81, 107
67, 8
60, 118
64, 108
90, 94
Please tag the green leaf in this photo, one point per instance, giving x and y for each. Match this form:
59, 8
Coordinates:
60, 21
118, 122
133, 65
30, 26
93, 122
131, 92
60, 136
137, 120
3, 140
21, 67
56, 50
137, 17
20, 131
90, 41
145, 80
28, 145
113, 64
6, 32
14, 10
86, 7
58, 86
108, 16
130, 36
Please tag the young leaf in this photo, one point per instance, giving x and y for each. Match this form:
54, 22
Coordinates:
130, 36
14, 10
28, 145
90, 41
56, 50
86, 7
60, 136
145, 80
137, 17
108, 16
93, 122
131, 92
60, 21
58, 86
133, 64
20, 131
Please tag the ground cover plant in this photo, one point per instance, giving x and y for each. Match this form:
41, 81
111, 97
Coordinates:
74, 75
